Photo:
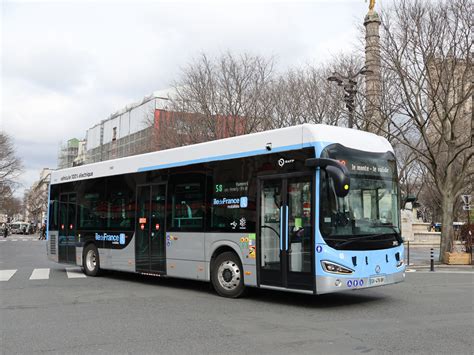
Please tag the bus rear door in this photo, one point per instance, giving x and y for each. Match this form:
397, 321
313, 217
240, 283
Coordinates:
67, 228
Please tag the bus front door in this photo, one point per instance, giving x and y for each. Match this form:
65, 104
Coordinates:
285, 232
67, 228
150, 229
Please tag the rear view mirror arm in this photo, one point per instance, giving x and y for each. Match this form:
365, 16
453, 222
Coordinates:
324, 162
338, 172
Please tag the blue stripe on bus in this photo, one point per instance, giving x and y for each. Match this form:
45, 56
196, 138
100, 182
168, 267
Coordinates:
318, 149
47, 213
317, 145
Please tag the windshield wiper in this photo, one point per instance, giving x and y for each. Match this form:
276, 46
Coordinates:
366, 238
339, 237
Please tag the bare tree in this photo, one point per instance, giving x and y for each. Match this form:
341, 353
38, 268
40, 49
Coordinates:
410, 172
323, 102
222, 96
427, 53
232, 95
12, 206
10, 168
305, 96
287, 100
36, 198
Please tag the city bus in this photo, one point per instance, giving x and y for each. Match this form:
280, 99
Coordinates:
310, 208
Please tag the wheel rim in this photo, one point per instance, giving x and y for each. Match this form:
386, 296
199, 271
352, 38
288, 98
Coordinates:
91, 260
228, 275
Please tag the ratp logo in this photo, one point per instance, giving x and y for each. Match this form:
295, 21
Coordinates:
282, 162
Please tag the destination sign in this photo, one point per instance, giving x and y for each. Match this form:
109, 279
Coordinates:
231, 195
237, 188
369, 167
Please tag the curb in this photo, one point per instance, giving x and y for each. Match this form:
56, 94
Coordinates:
465, 269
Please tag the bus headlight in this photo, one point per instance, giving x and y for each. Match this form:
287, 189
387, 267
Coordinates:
334, 268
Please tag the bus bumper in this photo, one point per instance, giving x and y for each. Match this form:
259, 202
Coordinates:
330, 284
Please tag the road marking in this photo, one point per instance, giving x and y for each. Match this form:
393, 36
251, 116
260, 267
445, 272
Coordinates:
40, 274
444, 272
75, 273
19, 240
5, 275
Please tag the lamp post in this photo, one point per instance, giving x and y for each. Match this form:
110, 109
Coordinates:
349, 83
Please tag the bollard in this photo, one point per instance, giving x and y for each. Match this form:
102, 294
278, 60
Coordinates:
432, 260
408, 252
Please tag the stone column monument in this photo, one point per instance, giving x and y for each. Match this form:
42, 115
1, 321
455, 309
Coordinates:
373, 80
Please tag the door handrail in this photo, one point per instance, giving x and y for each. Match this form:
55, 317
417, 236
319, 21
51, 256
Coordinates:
286, 232
281, 228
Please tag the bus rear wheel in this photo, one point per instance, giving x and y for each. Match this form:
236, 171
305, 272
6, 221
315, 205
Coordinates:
91, 262
227, 275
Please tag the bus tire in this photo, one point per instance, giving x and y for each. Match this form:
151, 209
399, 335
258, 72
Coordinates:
227, 275
91, 262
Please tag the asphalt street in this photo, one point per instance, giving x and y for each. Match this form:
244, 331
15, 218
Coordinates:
59, 311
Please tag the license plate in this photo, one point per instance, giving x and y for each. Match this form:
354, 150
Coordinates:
376, 280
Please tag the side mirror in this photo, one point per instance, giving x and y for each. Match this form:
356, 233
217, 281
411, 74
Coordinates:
337, 171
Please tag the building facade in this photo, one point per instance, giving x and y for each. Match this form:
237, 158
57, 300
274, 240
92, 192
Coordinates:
142, 127
68, 152
126, 132
152, 125
36, 199
450, 97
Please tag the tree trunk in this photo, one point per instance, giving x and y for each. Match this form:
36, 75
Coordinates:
447, 203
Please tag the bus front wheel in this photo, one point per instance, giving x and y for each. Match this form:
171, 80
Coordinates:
91, 262
227, 275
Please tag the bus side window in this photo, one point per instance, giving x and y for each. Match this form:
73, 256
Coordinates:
53, 223
92, 205
121, 213
186, 202
53, 215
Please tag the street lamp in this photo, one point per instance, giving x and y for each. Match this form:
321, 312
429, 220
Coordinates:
349, 84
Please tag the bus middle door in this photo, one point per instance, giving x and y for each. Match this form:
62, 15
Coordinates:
150, 243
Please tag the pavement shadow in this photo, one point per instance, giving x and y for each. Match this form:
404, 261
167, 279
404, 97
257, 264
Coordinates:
334, 300
154, 280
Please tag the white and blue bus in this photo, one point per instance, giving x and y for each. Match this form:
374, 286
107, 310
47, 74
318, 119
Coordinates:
310, 208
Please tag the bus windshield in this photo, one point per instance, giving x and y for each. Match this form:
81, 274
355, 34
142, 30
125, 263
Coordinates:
368, 217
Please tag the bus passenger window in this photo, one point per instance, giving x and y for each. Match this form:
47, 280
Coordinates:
187, 206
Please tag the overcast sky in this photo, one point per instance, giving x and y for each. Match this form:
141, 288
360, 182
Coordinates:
66, 65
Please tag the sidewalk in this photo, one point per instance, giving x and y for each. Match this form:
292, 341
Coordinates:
420, 258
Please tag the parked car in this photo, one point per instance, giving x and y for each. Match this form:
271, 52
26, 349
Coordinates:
19, 228
456, 226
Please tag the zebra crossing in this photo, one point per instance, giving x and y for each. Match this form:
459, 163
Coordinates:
42, 274
20, 238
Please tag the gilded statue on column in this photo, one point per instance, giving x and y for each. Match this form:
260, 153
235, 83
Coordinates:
371, 5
